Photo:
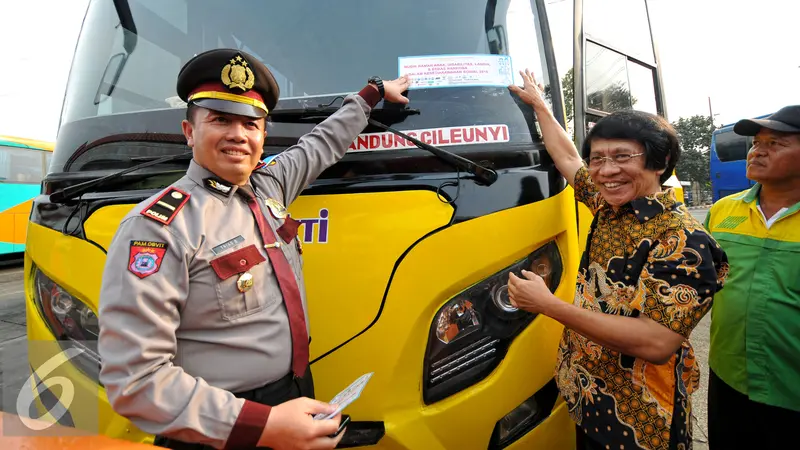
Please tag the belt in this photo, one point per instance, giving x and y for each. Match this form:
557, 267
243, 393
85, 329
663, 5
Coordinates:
278, 386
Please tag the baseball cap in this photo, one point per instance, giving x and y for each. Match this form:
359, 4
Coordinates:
787, 120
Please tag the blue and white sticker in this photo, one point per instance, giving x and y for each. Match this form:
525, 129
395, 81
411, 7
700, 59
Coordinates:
441, 71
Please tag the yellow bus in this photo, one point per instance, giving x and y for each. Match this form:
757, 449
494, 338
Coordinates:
406, 255
23, 165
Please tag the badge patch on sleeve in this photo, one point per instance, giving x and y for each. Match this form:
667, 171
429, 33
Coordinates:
146, 257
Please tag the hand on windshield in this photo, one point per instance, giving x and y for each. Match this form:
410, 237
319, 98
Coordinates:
393, 89
531, 93
556, 140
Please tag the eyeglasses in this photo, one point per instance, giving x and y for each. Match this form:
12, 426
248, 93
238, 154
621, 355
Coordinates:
595, 162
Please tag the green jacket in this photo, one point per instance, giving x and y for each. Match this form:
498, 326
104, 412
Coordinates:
755, 320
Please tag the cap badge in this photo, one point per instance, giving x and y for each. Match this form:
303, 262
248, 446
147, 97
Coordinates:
237, 74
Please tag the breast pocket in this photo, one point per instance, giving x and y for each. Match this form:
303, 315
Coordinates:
237, 282
777, 274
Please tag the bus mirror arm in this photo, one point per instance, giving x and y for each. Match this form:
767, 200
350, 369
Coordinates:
116, 62
131, 38
486, 175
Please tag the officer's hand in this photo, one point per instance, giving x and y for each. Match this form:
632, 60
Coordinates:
291, 426
393, 89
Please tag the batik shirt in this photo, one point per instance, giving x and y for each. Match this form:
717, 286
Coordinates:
648, 257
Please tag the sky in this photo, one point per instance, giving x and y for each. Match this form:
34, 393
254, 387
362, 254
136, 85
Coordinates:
740, 53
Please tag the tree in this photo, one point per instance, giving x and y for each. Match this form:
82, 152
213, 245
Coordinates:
614, 97
566, 91
695, 136
695, 132
567, 84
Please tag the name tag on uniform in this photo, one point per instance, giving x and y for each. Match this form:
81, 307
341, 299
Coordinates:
227, 245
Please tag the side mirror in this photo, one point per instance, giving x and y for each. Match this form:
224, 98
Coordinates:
110, 77
131, 38
497, 40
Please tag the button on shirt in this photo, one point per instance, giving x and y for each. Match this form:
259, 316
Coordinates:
180, 329
649, 257
755, 323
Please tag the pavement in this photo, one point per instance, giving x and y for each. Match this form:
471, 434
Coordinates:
14, 360
12, 305
13, 343
700, 338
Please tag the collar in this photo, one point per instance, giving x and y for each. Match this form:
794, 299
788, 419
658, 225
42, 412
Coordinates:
648, 207
751, 194
218, 187
753, 197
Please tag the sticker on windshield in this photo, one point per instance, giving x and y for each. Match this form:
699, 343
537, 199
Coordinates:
469, 135
456, 70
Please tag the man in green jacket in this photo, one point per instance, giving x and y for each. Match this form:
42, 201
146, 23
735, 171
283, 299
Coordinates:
754, 383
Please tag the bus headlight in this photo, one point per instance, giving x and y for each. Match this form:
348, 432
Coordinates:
72, 322
456, 320
471, 332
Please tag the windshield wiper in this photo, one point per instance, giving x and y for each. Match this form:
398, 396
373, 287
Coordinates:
76, 190
484, 174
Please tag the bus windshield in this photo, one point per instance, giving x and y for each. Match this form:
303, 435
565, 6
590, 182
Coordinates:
130, 51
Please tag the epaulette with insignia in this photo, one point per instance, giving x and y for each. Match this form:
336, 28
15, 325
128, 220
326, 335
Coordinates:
166, 206
269, 161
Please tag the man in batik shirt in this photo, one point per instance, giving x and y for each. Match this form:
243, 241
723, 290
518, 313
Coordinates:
648, 276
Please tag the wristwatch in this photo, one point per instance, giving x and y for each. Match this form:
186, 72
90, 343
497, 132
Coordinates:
376, 80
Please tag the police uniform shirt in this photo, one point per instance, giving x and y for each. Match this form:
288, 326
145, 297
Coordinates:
177, 337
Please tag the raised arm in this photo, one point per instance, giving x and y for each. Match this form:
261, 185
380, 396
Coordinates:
556, 139
327, 143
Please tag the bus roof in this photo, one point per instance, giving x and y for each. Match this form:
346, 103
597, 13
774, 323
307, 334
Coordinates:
12, 141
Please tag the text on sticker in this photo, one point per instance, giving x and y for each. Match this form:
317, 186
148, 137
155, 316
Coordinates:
482, 134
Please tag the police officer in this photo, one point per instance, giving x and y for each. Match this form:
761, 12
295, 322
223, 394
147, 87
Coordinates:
203, 324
